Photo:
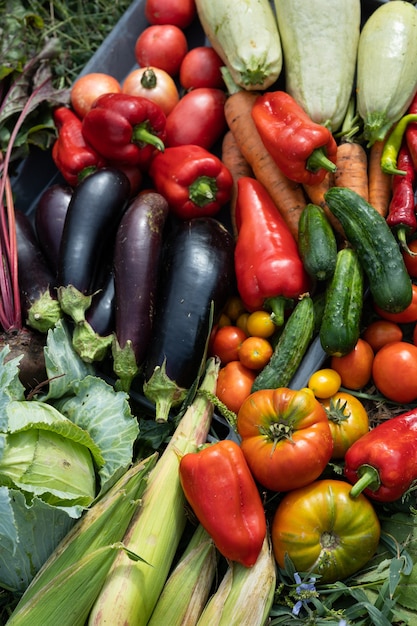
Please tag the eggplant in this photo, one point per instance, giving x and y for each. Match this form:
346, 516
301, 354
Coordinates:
196, 279
100, 314
137, 253
39, 303
50, 213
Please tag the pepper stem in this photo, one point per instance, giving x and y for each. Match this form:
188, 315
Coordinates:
203, 190
402, 238
143, 134
318, 160
368, 477
277, 306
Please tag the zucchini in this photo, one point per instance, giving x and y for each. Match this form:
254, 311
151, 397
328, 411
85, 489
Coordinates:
378, 251
290, 349
317, 242
340, 326
386, 67
319, 42
245, 35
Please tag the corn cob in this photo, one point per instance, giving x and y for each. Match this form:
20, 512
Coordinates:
132, 589
187, 589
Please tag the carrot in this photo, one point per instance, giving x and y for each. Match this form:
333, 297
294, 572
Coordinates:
237, 165
315, 193
352, 168
287, 195
379, 182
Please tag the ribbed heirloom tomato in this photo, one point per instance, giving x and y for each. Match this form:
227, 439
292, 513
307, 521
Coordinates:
286, 437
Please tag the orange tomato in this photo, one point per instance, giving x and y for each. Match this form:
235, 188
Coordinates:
260, 324
348, 421
404, 317
381, 332
234, 384
355, 368
255, 352
89, 87
155, 84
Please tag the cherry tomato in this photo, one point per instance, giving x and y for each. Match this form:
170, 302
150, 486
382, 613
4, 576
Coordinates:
260, 324
255, 352
325, 531
242, 322
234, 307
410, 260
89, 87
394, 371
163, 46
198, 118
234, 384
348, 421
355, 368
200, 67
324, 383
381, 332
226, 343
404, 317
154, 84
178, 12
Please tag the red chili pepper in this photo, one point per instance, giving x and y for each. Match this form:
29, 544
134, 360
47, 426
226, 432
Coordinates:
401, 212
383, 463
303, 150
72, 155
411, 133
223, 494
194, 181
268, 265
125, 129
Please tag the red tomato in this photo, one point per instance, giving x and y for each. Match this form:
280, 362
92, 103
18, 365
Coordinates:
234, 384
201, 68
89, 87
355, 368
381, 332
415, 335
226, 343
163, 46
411, 260
178, 12
405, 317
394, 371
197, 119
154, 84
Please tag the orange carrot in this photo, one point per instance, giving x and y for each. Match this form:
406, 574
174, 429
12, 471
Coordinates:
237, 165
379, 182
315, 193
352, 168
287, 195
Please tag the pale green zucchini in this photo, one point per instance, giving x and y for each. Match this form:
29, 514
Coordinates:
245, 36
387, 67
319, 41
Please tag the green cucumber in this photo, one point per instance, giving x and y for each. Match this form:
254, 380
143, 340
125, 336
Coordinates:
317, 242
290, 349
340, 326
378, 250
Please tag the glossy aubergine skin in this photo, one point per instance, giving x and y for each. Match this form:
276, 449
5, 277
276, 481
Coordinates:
50, 215
93, 214
198, 268
100, 314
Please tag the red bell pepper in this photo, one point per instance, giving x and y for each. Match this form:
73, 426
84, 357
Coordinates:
125, 129
302, 149
268, 265
220, 489
72, 155
194, 181
383, 463
401, 216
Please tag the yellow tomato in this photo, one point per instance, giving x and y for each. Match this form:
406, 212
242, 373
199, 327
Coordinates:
260, 324
325, 382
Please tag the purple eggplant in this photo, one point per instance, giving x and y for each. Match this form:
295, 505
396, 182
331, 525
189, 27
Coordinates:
50, 215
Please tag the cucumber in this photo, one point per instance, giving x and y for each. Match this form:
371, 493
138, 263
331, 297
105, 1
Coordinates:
340, 326
377, 249
290, 349
245, 35
317, 242
386, 67
319, 41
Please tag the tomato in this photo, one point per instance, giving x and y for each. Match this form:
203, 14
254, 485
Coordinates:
260, 324
355, 368
163, 46
234, 307
348, 420
415, 335
404, 317
394, 371
286, 437
324, 383
154, 84
198, 118
242, 322
200, 67
255, 352
234, 384
411, 260
89, 87
381, 332
178, 12
325, 531
226, 343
